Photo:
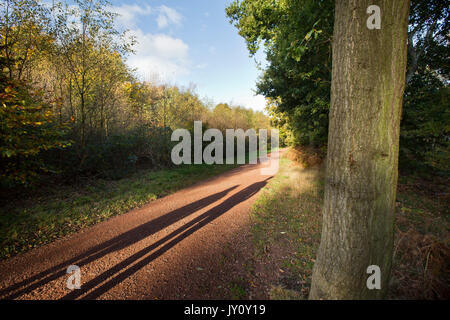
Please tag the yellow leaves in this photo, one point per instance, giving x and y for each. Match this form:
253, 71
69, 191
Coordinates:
308, 35
314, 32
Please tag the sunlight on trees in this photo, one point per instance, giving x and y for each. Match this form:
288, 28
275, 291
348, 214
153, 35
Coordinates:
71, 105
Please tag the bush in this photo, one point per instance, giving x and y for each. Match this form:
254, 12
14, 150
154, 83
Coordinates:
114, 156
424, 134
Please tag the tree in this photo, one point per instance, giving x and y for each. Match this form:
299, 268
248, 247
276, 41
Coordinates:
27, 127
425, 130
22, 34
296, 35
87, 44
368, 80
428, 37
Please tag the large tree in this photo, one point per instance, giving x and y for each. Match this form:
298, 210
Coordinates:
296, 35
368, 80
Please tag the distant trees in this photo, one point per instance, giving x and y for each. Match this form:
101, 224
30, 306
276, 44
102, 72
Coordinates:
224, 116
425, 130
69, 103
428, 38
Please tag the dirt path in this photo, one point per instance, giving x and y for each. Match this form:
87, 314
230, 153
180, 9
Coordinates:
173, 248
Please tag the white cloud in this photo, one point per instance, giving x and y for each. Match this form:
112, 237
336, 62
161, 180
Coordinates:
161, 55
167, 16
129, 14
156, 55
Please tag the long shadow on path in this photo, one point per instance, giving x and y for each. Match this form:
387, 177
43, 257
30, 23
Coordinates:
123, 270
117, 243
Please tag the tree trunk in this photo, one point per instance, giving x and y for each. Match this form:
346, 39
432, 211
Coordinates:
368, 81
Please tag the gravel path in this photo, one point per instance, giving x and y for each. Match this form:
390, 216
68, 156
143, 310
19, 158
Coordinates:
168, 249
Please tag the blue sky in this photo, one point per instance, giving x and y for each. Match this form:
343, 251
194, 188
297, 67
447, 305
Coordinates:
187, 42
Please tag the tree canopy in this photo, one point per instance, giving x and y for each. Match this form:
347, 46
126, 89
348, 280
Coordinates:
296, 37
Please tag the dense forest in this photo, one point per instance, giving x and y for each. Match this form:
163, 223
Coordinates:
297, 38
71, 107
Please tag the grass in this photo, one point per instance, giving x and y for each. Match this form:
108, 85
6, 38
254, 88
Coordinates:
237, 290
287, 224
62, 210
286, 227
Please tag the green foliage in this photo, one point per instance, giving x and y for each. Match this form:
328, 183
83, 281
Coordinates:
115, 122
115, 156
429, 25
425, 129
28, 127
296, 35
424, 139
280, 121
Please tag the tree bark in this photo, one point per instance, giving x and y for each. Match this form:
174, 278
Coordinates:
368, 81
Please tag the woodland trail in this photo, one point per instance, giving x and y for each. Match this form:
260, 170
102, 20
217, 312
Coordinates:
167, 249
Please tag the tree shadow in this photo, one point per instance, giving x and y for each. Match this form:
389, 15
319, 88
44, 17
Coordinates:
117, 243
